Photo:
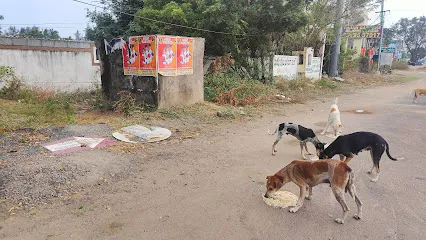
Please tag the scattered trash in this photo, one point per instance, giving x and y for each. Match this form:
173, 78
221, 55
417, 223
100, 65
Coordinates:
125, 137
283, 98
254, 180
280, 97
338, 79
359, 111
220, 114
138, 133
74, 144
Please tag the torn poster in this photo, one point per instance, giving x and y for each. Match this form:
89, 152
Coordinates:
113, 45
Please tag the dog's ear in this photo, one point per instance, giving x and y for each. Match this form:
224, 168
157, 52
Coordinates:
268, 177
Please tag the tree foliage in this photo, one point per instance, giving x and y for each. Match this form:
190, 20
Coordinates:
114, 20
413, 33
1, 18
245, 28
32, 32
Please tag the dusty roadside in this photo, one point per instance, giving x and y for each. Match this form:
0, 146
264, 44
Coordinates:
205, 182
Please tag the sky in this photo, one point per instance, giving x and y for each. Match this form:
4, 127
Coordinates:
67, 16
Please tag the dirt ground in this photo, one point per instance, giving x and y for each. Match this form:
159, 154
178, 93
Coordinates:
210, 186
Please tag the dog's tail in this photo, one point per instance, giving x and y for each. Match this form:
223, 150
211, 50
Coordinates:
387, 153
350, 183
276, 129
336, 100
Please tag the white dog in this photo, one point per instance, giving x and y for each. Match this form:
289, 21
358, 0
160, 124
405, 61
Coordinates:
334, 120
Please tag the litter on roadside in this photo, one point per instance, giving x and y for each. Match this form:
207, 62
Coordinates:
74, 144
138, 133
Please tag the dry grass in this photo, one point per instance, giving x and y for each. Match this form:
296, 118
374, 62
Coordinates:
47, 109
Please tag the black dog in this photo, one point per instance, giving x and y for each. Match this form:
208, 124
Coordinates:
301, 133
351, 144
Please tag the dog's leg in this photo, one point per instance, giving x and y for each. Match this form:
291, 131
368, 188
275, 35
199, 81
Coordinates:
301, 150
352, 192
309, 197
348, 159
372, 159
327, 126
302, 196
339, 194
306, 148
279, 136
377, 155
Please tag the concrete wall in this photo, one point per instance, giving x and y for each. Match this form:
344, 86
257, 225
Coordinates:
50, 64
187, 89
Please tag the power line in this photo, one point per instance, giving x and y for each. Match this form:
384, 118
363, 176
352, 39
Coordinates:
171, 24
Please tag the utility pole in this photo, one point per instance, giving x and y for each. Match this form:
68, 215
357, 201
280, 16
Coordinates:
334, 69
382, 23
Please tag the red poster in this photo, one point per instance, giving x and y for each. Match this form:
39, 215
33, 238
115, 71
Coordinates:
131, 57
147, 52
185, 50
166, 54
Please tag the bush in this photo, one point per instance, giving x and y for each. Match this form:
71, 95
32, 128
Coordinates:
364, 64
230, 88
400, 65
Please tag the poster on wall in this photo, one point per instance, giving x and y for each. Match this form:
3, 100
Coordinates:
285, 66
167, 55
185, 50
148, 62
131, 57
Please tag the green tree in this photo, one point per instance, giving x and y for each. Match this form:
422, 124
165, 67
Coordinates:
78, 36
114, 20
1, 18
413, 33
12, 31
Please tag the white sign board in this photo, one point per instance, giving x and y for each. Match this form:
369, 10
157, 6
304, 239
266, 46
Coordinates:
313, 70
285, 66
386, 59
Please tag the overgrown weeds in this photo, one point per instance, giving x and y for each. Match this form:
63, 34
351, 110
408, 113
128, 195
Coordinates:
400, 65
232, 89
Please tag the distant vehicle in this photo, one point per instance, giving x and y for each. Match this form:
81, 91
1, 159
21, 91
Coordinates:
417, 63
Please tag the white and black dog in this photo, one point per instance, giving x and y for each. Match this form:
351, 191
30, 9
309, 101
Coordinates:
303, 134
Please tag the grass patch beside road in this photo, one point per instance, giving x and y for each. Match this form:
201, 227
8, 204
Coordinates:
233, 98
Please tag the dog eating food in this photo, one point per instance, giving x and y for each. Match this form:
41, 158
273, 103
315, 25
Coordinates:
306, 175
281, 199
302, 134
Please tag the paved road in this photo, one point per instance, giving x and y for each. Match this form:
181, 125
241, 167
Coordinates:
204, 188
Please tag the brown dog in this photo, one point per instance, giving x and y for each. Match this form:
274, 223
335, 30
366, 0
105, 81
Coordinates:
417, 93
309, 174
